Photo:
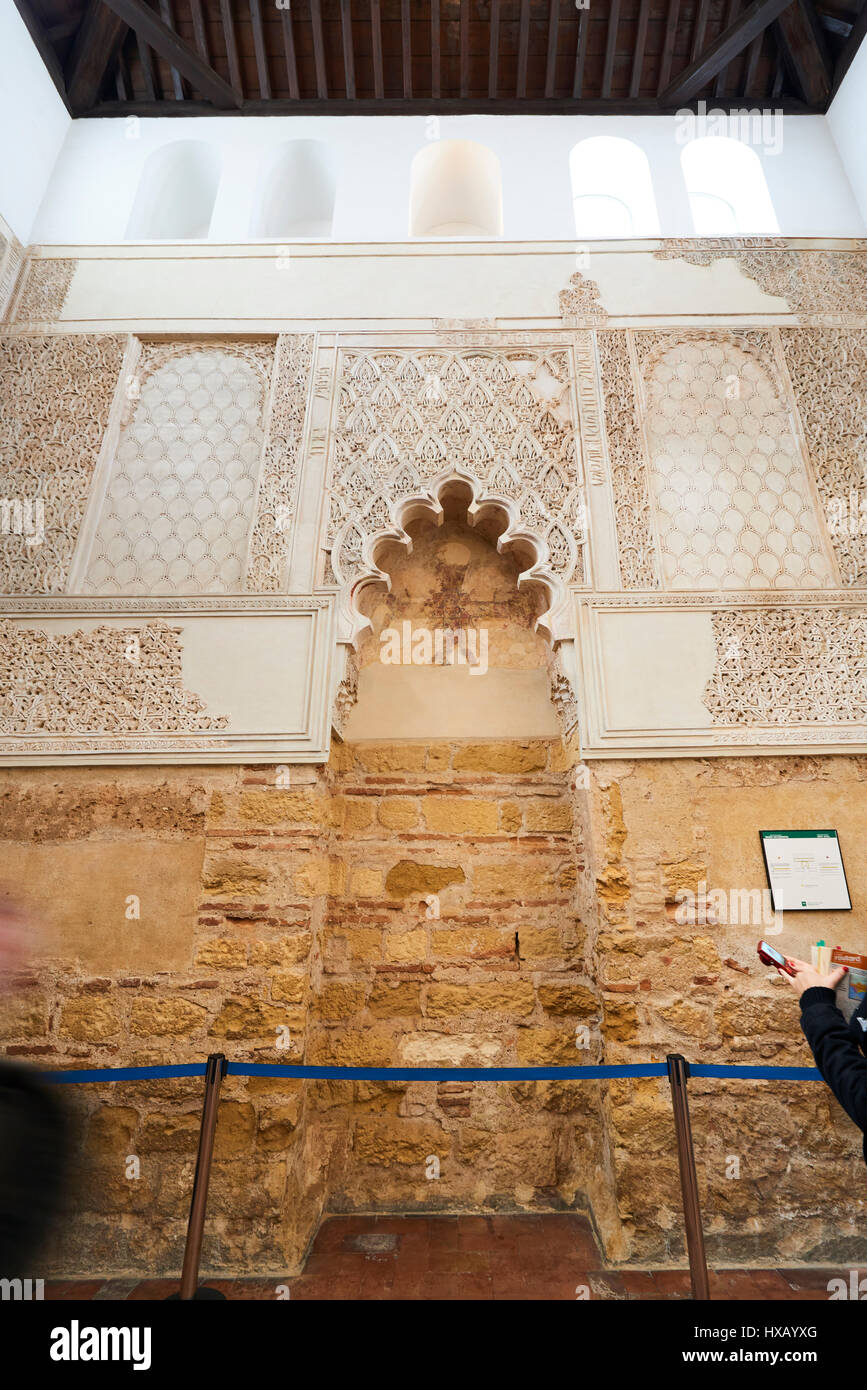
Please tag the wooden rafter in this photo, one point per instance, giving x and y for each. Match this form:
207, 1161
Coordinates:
152, 30
805, 47
728, 45
94, 50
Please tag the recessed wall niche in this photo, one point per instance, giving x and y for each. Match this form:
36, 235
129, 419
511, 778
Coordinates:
176, 193
456, 191
297, 192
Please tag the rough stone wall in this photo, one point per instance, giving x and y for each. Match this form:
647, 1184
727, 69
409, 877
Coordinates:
697, 988
452, 939
287, 922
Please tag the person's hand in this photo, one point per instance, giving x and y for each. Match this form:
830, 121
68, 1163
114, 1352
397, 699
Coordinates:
805, 977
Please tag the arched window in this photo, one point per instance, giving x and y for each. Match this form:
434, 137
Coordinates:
456, 191
612, 189
176, 193
297, 192
727, 189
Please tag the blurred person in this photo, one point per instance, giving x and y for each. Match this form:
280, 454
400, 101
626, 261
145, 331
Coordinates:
839, 1048
34, 1129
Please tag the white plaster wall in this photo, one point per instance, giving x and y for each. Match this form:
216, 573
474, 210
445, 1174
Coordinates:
33, 123
94, 183
846, 120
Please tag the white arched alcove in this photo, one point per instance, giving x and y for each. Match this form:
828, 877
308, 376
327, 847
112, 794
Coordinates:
456, 190
612, 189
297, 192
728, 192
176, 193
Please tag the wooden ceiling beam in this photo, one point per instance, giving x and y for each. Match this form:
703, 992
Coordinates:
153, 31
732, 41
580, 54
638, 53
376, 45
668, 45
464, 70
319, 50
260, 51
348, 51
523, 48
169, 20
95, 49
494, 50
610, 48
290, 55
551, 57
805, 47
435, 59
406, 47
722, 75
227, 23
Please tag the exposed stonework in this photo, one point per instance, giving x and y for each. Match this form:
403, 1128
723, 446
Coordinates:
436, 904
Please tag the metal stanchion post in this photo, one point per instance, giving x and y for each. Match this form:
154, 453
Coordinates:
678, 1072
189, 1289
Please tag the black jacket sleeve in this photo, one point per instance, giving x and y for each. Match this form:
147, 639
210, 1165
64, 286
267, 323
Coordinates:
837, 1048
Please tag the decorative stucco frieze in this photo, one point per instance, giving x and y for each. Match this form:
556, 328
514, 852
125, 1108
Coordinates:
580, 304
109, 680
780, 666
57, 394
828, 370
281, 469
821, 286
44, 286
626, 453
408, 422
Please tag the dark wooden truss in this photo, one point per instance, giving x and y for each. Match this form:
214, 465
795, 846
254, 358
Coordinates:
381, 57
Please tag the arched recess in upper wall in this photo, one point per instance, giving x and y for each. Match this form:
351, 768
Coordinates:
612, 189
728, 192
176, 193
297, 192
456, 190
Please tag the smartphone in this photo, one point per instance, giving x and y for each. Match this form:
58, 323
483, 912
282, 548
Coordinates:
768, 955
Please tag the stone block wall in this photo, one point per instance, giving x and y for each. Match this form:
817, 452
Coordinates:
421, 903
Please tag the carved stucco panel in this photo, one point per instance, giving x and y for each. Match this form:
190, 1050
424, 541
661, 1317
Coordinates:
626, 453
179, 502
502, 418
820, 286
281, 468
110, 680
789, 666
56, 397
733, 503
828, 370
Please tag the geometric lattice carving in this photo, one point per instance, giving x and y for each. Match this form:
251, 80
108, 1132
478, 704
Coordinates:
57, 393
632, 512
829, 377
503, 418
789, 666
278, 488
178, 507
111, 680
824, 285
732, 497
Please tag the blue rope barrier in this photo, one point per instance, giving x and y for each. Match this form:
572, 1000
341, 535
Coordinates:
585, 1073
